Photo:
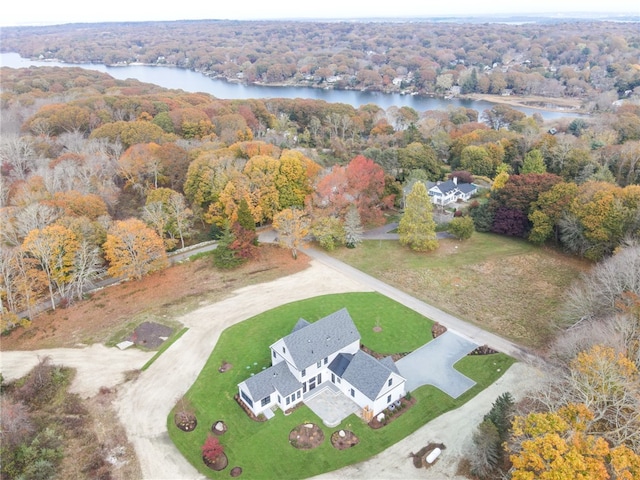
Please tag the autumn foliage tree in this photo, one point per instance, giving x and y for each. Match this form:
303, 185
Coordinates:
416, 228
212, 449
292, 226
556, 444
133, 249
54, 247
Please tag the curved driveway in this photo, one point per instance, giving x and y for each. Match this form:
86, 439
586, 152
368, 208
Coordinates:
144, 404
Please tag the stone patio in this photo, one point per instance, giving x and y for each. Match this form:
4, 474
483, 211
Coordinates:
331, 405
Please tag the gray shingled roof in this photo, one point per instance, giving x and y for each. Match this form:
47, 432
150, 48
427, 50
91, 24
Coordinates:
308, 345
390, 364
467, 187
301, 323
367, 374
278, 377
446, 187
340, 363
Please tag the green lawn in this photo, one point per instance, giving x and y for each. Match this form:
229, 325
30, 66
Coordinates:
263, 449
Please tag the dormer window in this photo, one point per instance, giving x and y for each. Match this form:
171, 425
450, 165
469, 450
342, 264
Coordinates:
319, 364
390, 381
304, 372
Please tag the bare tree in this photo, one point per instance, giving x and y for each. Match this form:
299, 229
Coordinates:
601, 290
34, 216
17, 153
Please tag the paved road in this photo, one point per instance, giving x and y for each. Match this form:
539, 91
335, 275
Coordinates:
465, 329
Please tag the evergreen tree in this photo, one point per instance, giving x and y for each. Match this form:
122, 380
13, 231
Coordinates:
486, 450
352, 227
244, 232
501, 414
417, 229
224, 256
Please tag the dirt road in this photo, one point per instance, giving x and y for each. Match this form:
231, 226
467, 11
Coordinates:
144, 404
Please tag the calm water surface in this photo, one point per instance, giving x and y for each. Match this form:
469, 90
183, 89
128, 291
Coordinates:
189, 81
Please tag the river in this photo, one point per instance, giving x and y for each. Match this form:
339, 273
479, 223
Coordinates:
190, 81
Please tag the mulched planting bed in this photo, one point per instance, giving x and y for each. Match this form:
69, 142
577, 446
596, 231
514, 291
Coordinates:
306, 436
185, 421
221, 462
343, 439
391, 416
219, 428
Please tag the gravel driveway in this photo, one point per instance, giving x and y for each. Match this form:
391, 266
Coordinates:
144, 404
432, 364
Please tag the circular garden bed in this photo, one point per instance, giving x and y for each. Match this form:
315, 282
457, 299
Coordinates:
343, 439
306, 436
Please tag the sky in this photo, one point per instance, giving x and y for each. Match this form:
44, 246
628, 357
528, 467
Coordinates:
42, 12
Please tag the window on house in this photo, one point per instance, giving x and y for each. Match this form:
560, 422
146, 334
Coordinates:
284, 350
353, 392
279, 400
319, 364
246, 398
389, 399
266, 400
326, 360
298, 394
304, 372
274, 354
288, 400
338, 380
390, 382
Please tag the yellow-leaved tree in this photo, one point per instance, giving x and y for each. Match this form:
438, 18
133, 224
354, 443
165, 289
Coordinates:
556, 445
54, 248
417, 229
133, 249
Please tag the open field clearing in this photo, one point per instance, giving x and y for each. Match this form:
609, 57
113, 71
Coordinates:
505, 285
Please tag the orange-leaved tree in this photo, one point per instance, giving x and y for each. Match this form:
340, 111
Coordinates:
133, 249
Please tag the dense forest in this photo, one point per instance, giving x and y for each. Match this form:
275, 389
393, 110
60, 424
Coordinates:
93, 168
595, 61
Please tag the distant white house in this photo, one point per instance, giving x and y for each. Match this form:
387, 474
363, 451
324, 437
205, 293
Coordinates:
444, 193
327, 350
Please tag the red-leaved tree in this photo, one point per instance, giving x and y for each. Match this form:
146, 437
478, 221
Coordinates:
212, 449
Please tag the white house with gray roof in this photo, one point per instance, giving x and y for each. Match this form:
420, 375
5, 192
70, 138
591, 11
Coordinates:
444, 193
315, 355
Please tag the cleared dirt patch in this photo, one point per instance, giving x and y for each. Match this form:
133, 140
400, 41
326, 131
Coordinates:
110, 314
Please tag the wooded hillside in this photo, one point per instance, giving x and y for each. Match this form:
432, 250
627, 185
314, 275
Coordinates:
587, 60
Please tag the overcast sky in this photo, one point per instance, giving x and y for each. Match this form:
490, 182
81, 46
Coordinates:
38, 12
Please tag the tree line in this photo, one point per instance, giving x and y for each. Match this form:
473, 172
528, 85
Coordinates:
101, 175
593, 61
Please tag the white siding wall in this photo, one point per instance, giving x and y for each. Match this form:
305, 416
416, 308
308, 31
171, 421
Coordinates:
381, 403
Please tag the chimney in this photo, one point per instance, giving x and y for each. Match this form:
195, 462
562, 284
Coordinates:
455, 180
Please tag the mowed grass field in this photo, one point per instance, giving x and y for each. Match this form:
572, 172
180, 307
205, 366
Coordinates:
505, 285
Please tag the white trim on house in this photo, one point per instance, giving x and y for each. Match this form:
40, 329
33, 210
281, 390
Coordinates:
315, 353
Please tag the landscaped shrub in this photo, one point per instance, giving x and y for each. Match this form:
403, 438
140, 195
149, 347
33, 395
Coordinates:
212, 449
